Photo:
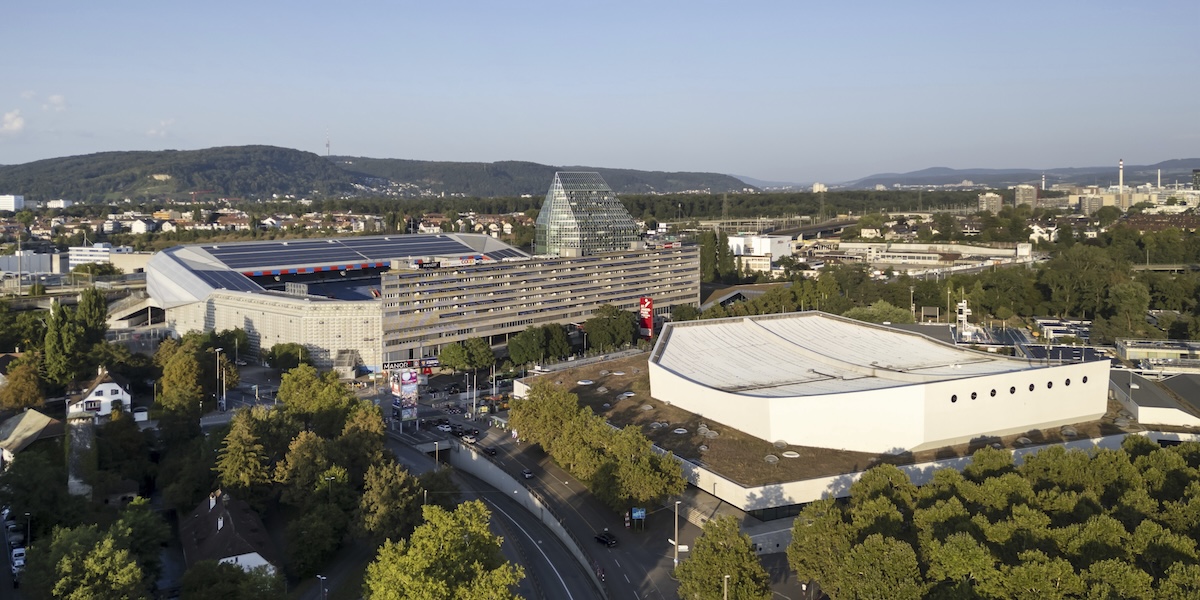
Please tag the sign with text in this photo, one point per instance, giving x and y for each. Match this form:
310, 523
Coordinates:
646, 317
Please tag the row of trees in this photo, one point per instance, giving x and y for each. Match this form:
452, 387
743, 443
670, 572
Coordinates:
1064, 524
619, 466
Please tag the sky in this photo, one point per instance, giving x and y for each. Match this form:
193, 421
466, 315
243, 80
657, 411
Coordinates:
779, 91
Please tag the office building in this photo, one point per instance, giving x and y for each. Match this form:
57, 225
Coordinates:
96, 253
991, 202
12, 203
1026, 194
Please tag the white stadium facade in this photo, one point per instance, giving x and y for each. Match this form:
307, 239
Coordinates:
818, 380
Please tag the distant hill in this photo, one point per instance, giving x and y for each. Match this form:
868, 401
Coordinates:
1172, 170
773, 185
235, 171
255, 172
515, 178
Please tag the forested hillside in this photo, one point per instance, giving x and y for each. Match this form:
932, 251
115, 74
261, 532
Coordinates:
254, 171
260, 172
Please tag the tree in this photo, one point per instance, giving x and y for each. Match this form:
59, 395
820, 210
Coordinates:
452, 555
320, 400
723, 550
63, 346
390, 507
286, 357
24, 387
314, 537
455, 357
361, 443
211, 580
479, 354
557, 344
144, 532
527, 346
684, 312
440, 488
610, 328
92, 316
242, 464
181, 391
83, 562
302, 469
882, 567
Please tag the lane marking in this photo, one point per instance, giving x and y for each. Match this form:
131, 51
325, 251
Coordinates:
535, 545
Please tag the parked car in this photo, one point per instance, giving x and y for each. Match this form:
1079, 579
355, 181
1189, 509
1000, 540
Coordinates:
444, 428
606, 538
490, 451
468, 439
241, 363
527, 474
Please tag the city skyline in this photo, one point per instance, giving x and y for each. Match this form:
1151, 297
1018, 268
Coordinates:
772, 91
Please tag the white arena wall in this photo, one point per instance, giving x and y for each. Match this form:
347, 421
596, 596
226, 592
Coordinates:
818, 380
911, 417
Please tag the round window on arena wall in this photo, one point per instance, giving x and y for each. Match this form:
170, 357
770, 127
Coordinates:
1031, 387
1085, 378
1067, 382
954, 398
1012, 390
974, 395
993, 393
1049, 384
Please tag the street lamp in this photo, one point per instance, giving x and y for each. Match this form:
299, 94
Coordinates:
676, 540
329, 488
324, 590
217, 357
725, 588
28, 529
436, 464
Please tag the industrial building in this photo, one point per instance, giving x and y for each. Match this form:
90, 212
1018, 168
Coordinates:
818, 380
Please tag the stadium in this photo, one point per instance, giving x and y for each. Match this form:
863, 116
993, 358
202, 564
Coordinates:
818, 380
392, 301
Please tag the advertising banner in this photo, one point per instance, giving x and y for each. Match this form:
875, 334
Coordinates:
403, 384
646, 317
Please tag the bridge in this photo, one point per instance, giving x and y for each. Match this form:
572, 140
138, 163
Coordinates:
1169, 268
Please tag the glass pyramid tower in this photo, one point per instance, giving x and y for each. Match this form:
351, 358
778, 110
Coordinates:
582, 216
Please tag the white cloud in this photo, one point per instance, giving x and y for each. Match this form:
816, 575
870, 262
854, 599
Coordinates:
161, 130
55, 102
12, 123
28, 94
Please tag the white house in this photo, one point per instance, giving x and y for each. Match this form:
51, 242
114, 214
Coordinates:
104, 393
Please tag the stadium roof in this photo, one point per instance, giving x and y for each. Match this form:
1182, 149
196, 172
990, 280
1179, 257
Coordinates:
184, 274
813, 353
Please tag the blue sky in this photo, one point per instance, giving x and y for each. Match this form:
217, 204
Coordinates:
791, 91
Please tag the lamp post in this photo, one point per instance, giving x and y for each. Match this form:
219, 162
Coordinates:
676, 539
329, 488
725, 588
28, 529
217, 356
436, 463
324, 591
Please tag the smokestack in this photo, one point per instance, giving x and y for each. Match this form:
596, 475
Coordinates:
1043, 182
1160, 179
1121, 176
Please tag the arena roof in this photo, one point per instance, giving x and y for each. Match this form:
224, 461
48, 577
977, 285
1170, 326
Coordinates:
813, 353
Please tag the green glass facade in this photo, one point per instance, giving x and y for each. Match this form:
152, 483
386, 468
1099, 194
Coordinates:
582, 217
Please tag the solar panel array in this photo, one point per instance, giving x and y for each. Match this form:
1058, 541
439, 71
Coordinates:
266, 256
227, 280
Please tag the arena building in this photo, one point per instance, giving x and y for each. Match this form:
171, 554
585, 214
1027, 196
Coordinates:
818, 380
384, 302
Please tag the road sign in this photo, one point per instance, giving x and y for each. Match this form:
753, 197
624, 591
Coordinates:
639, 513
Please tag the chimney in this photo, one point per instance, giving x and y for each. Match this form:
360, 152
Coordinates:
220, 523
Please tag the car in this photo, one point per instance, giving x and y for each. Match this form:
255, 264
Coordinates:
241, 363
443, 421
475, 431
18, 555
527, 474
468, 439
490, 451
606, 538
432, 390
444, 428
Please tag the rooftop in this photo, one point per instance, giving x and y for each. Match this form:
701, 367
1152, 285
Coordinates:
812, 353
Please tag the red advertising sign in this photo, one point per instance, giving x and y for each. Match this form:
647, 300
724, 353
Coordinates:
646, 317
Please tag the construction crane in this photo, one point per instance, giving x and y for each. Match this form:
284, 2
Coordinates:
199, 192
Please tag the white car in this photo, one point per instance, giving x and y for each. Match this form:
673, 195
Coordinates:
468, 439
444, 428
17, 556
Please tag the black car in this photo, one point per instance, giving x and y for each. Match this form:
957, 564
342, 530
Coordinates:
490, 451
606, 538
432, 390
527, 474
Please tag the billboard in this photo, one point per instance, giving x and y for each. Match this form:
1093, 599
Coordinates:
646, 317
403, 384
